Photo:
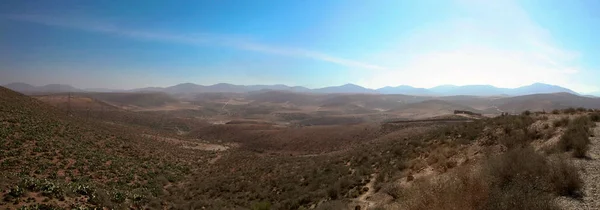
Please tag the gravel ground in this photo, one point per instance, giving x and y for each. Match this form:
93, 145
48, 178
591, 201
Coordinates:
590, 172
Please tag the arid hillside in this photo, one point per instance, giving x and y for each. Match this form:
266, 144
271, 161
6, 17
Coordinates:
51, 160
268, 155
74, 102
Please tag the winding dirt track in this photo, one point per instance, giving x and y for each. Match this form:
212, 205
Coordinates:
362, 200
431, 120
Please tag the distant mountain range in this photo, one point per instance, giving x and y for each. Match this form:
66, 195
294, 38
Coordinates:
52, 88
190, 88
487, 90
594, 94
406, 90
347, 88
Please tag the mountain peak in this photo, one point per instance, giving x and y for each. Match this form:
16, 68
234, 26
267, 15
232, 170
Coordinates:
222, 84
540, 88
187, 83
541, 83
351, 85
445, 86
347, 88
404, 89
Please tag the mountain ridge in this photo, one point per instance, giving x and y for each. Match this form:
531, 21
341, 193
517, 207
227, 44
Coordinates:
190, 88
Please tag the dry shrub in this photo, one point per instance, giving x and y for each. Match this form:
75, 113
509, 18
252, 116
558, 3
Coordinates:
392, 189
519, 198
561, 122
505, 181
519, 138
576, 137
570, 110
565, 178
334, 204
263, 205
595, 117
459, 190
528, 171
548, 134
516, 183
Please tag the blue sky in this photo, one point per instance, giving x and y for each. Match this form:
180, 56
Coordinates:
129, 44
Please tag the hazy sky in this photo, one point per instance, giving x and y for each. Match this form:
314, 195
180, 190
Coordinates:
314, 43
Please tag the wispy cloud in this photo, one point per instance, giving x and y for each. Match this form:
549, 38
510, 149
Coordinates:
195, 39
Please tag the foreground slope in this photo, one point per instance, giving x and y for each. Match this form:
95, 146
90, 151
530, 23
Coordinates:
56, 161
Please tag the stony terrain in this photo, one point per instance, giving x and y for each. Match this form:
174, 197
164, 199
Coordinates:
590, 171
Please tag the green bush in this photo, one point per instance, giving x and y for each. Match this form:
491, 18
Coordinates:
83, 189
52, 190
263, 205
118, 197
16, 192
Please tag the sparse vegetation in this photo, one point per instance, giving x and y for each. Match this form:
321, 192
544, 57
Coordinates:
58, 157
576, 137
502, 182
143, 160
561, 122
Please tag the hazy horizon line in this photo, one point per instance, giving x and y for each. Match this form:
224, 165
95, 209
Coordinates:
293, 86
